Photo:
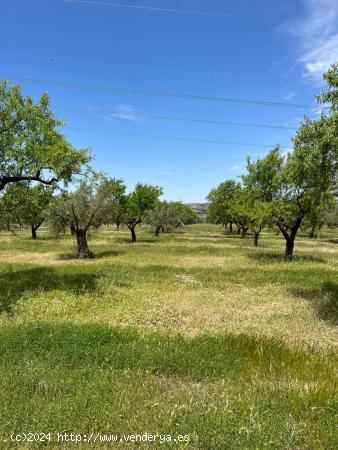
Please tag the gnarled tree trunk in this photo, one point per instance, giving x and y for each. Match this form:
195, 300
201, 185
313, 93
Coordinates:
157, 231
83, 251
313, 232
132, 225
133, 234
290, 238
244, 231
290, 243
33, 232
257, 233
35, 227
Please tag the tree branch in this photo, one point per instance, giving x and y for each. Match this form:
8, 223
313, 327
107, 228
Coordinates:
37, 177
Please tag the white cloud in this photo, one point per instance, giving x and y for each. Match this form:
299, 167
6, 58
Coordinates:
290, 96
316, 111
167, 173
167, 170
294, 122
318, 60
125, 112
317, 37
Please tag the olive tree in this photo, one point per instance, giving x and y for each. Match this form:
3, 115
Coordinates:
184, 213
31, 146
166, 216
163, 217
27, 204
82, 209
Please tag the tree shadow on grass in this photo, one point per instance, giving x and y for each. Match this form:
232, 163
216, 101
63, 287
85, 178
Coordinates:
204, 241
95, 255
148, 240
14, 284
324, 299
203, 357
140, 240
268, 257
107, 253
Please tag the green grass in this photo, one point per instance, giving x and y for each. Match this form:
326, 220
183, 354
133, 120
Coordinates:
194, 333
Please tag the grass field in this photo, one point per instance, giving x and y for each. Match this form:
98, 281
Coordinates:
196, 333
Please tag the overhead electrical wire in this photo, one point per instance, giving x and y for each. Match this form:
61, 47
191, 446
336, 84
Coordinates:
166, 10
171, 138
115, 66
131, 114
164, 94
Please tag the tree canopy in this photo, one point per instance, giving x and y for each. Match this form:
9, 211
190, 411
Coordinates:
166, 216
31, 146
26, 204
219, 202
80, 210
134, 205
298, 188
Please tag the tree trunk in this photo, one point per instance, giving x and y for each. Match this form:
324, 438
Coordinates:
256, 239
157, 231
133, 234
239, 230
290, 243
117, 224
230, 227
313, 232
72, 230
290, 237
35, 228
244, 231
33, 232
82, 245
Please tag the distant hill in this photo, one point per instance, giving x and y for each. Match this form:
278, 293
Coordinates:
199, 208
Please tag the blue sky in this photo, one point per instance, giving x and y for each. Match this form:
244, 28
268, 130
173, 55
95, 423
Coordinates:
254, 49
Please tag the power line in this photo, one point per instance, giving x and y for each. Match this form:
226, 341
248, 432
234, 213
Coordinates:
115, 66
166, 10
166, 94
131, 114
170, 138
